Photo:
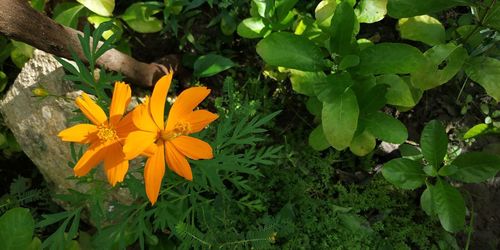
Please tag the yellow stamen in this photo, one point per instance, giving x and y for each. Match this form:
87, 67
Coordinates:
106, 134
180, 128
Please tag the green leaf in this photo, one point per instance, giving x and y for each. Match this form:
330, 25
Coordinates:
227, 24
430, 170
486, 72
447, 170
139, 16
372, 100
116, 30
477, 130
3, 81
386, 127
291, 51
426, 202
324, 12
314, 106
371, 11
332, 86
362, 144
67, 14
410, 152
475, 167
21, 53
449, 205
444, 62
340, 119
38, 4
400, 92
317, 139
211, 64
423, 28
404, 173
101, 7
390, 58
252, 27
434, 143
303, 81
348, 62
492, 18
409, 8
342, 30
16, 229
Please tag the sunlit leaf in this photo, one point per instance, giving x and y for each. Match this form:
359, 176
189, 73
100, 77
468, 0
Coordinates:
211, 64
101, 7
423, 28
486, 72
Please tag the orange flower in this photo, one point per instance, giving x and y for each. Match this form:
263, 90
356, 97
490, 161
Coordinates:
168, 141
105, 136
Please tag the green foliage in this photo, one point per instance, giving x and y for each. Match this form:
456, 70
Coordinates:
211, 64
409, 8
16, 229
440, 198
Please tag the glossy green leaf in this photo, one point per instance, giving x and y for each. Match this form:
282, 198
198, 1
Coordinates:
434, 143
390, 58
449, 205
486, 72
400, 92
371, 11
324, 12
448, 170
340, 119
404, 173
101, 7
3, 81
386, 127
475, 167
410, 152
317, 139
430, 170
252, 27
291, 51
67, 14
477, 130
362, 144
332, 86
21, 53
409, 8
423, 28
116, 30
492, 18
303, 81
139, 16
211, 64
444, 62
348, 62
342, 30
426, 202
16, 229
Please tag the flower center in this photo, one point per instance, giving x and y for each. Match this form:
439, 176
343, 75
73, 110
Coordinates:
180, 128
106, 134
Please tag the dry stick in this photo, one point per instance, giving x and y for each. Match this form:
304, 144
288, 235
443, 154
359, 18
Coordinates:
21, 22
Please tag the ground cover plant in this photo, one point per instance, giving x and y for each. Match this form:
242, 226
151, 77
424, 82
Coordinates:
276, 124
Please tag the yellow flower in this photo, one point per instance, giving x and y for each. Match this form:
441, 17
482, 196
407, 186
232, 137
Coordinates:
168, 141
105, 136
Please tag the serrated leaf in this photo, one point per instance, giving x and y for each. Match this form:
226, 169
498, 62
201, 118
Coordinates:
390, 58
291, 51
423, 28
16, 229
371, 11
386, 127
404, 173
449, 205
211, 64
101, 7
340, 119
486, 72
434, 143
477, 130
362, 144
475, 167
317, 139
409, 8
139, 16
444, 62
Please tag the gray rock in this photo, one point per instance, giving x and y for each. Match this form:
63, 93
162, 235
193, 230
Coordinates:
35, 122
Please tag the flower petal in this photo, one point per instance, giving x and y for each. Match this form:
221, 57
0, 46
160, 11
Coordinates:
177, 162
193, 148
137, 142
115, 165
93, 156
119, 101
82, 133
91, 110
185, 103
125, 126
199, 119
142, 118
153, 174
158, 98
